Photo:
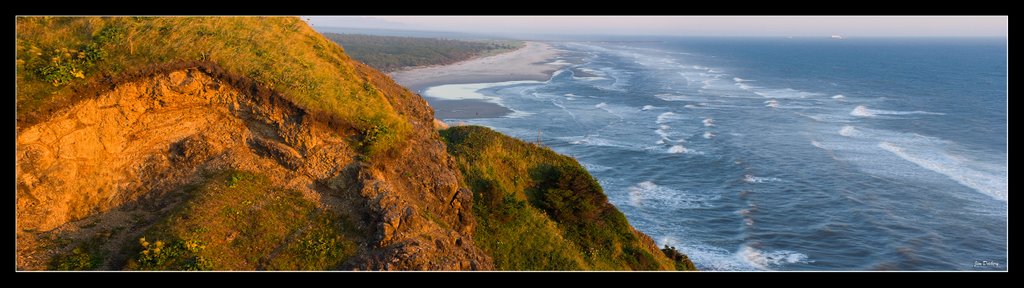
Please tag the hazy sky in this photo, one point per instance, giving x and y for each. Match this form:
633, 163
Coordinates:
684, 25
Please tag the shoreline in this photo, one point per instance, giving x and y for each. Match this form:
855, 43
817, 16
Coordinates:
529, 63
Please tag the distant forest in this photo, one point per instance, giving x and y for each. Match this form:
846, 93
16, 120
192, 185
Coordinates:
391, 53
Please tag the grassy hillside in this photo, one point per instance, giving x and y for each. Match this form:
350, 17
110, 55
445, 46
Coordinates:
534, 209
390, 53
237, 221
234, 220
59, 58
539, 210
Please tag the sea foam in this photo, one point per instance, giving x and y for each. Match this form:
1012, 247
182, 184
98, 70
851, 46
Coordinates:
764, 260
864, 111
678, 149
674, 97
649, 194
787, 93
754, 179
849, 131
991, 183
665, 117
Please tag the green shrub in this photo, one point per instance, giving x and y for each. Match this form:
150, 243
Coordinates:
681, 261
178, 255
60, 66
538, 210
235, 179
80, 258
568, 193
112, 34
377, 137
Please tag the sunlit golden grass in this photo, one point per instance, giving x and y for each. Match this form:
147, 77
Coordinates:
282, 53
238, 221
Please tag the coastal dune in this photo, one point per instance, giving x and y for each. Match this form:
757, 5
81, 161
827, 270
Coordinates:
526, 63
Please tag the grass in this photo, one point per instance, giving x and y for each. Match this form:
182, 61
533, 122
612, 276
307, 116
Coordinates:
56, 57
84, 257
519, 237
539, 210
238, 221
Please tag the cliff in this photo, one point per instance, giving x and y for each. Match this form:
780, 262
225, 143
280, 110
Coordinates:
237, 143
539, 210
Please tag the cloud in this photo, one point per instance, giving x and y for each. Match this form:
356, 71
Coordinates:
355, 22
687, 25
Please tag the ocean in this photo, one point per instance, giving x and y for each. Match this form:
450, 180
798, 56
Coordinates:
784, 154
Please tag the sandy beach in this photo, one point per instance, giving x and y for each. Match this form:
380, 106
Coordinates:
527, 63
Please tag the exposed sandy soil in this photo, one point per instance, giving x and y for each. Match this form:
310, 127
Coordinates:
110, 166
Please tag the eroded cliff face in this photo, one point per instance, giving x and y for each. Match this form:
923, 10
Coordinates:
125, 158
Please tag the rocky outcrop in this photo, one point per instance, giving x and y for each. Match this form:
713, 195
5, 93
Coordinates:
144, 141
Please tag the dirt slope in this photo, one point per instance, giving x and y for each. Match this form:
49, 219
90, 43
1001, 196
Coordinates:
123, 159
